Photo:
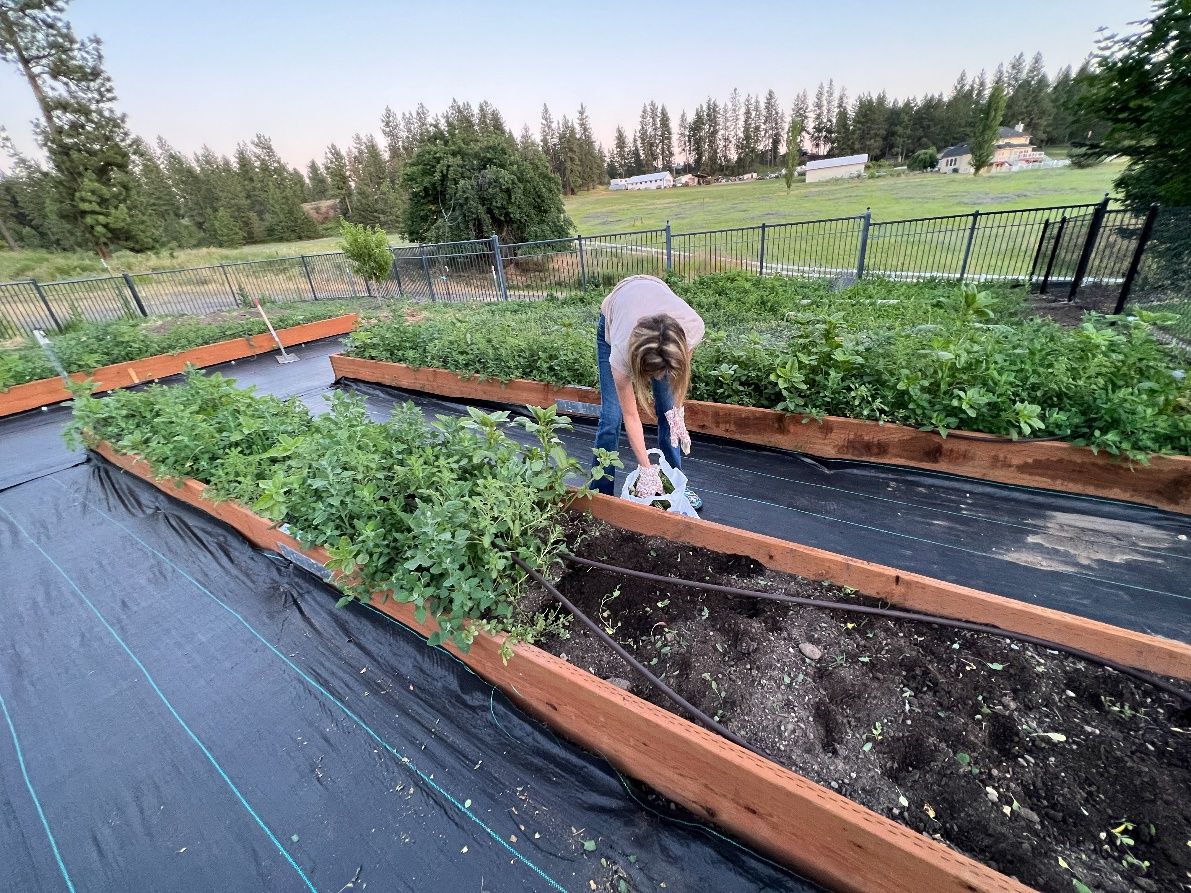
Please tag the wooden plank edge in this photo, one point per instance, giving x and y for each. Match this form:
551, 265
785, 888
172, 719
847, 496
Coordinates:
1164, 483
817, 832
1155, 654
48, 391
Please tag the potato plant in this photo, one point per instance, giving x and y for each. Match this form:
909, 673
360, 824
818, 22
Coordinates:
428, 514
929, 355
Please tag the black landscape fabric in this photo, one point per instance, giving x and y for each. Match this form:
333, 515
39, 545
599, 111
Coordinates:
184, 712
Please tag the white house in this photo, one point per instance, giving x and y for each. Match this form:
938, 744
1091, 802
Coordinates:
1014, 152
835, 168
660, 180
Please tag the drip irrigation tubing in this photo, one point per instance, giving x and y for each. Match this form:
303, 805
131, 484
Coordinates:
701, 717
892, 614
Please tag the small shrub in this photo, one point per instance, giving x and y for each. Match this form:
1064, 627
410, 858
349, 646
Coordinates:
367, 250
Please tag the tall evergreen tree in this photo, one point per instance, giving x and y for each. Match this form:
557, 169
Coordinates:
318, 184
984, 141
665, 140
85, 139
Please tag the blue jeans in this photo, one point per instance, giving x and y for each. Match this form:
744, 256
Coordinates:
612, 417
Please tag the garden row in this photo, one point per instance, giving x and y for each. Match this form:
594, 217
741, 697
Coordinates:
87, 346
924, 355
961, 736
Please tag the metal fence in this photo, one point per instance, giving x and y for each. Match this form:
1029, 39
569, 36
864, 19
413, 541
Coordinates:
1092, 251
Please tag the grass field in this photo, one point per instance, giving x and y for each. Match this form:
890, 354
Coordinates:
51, 266
912, 195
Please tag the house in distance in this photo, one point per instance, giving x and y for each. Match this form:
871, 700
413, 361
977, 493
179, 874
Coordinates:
836, 168
659, 180
1014, 152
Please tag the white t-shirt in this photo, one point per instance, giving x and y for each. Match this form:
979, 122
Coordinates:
632, 300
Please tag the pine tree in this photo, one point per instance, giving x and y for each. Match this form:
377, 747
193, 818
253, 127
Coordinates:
829, 117
85, 139
647, 140
984, 140
335, 164
842, 129
684, 143
319, 186
621, 157
733, 115
665, 140
375, 202
819, 120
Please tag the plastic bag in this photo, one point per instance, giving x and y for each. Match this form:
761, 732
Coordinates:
675, 501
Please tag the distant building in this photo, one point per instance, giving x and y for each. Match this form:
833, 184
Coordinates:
835, 168
1014, 151
686, 180
659, 180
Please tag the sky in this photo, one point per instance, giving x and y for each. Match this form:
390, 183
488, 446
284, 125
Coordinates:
311, 73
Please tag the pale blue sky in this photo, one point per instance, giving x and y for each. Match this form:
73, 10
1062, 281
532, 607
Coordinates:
308, 73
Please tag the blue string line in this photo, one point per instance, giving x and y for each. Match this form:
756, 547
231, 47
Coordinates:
32, 793
149, 678
919, 539
404, 760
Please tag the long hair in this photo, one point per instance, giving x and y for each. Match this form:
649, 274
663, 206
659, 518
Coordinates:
657, 349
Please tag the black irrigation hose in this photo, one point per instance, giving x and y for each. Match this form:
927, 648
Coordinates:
893, 613
701, 717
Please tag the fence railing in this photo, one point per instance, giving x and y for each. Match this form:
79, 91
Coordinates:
1091, 250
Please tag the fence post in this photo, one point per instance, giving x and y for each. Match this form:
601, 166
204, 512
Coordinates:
1054, 250
963, 267
1089, 245
231, 288
499, 264
135, 294
309, 279
865, 220
46, 303
1143, 239
426, 270
1038, 250
582, 264
397, 274
761, 253
669, 249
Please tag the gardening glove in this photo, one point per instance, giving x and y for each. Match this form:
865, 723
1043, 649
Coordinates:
649, 481
679, 436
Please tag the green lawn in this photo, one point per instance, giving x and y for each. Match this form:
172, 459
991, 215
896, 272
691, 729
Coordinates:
894, 197
50, 266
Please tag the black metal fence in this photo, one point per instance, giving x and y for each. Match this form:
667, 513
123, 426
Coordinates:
1092, 251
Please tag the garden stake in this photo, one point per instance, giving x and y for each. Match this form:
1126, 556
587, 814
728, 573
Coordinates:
48, 347
890, 613
285, 357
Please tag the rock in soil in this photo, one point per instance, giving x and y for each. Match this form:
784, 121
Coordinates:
810, 651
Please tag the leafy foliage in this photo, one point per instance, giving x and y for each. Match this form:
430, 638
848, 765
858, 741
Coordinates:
367, 250
924, 159
1143, 91
928, 355
468, 185
428, 514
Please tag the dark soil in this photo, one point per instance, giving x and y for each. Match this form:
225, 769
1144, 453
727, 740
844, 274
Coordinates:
1041, 766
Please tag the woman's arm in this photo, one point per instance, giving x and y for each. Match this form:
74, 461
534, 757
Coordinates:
632, 418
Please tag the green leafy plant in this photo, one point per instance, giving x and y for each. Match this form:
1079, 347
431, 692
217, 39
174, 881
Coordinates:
927, 355
428, 514
367, 249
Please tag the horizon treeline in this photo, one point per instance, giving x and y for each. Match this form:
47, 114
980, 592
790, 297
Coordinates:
251, 196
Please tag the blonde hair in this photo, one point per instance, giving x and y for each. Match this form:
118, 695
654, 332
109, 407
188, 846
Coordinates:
657, 348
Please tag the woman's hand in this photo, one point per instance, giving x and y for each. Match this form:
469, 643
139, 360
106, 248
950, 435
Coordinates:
649, 481
679, 436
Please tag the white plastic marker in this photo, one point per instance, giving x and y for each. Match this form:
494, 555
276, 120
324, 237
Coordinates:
285, 357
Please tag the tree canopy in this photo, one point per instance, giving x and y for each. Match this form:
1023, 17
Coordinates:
464, 184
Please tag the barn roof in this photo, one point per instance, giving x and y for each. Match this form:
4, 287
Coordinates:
648, 178
837, 162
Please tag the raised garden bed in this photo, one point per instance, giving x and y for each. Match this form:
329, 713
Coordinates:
1164, 483
48, 391
1063, 715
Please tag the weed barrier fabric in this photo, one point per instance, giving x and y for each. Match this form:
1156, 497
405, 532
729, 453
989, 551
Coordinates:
183, 712
1115, 562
